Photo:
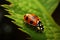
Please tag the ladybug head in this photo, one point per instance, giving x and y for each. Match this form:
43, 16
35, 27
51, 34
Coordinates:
40, 26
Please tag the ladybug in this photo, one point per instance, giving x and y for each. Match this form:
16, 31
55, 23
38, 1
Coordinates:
34, 20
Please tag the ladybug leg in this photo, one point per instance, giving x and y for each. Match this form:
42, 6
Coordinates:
24, 22
31, 27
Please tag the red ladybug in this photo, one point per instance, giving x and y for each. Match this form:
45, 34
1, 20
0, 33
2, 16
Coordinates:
33, 20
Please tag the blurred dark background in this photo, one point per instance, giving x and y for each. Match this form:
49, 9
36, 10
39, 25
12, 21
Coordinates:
56, 15
9, 31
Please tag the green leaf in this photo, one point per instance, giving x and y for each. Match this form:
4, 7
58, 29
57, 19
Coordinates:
50, 5
41, 8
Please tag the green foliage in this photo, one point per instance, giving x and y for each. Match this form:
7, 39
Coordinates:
43, 9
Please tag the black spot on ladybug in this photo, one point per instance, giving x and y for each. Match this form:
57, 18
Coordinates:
31, 22
38, 19
26, 18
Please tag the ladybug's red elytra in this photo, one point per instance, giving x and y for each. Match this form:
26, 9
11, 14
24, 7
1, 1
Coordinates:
33, 20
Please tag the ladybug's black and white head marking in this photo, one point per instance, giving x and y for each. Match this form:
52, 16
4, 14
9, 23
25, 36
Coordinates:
40, 26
